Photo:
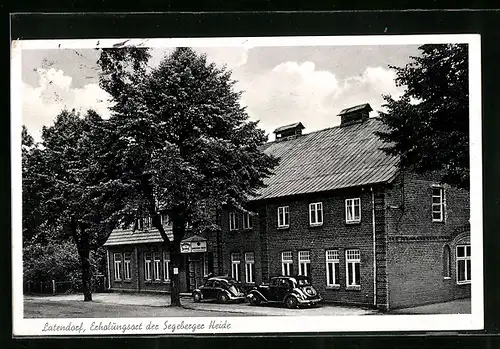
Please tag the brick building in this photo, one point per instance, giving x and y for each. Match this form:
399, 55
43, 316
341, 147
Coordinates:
338, 209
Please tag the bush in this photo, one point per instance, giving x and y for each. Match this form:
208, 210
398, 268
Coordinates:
59, 261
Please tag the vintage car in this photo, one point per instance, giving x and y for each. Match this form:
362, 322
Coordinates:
220, 288
292, 291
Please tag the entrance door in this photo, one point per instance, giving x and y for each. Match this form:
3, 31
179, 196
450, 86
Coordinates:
195, 269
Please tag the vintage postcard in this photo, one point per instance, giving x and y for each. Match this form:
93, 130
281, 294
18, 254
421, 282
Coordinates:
246, 185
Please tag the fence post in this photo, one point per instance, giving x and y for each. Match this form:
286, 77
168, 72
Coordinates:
53, 287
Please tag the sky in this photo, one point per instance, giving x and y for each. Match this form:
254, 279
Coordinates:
281, 85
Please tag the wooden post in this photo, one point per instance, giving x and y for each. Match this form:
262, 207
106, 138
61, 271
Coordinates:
53, 287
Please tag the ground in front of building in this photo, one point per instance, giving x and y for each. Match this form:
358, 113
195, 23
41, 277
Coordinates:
154, 305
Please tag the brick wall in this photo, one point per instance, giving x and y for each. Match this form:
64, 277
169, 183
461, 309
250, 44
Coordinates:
416, 244
335, 233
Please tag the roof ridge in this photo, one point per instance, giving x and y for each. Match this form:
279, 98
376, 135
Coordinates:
370, 119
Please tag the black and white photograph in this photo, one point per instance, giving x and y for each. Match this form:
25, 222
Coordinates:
246, 185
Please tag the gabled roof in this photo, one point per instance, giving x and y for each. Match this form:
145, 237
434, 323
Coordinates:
127, 237
289, 127
333, 158
356, 108
194, 238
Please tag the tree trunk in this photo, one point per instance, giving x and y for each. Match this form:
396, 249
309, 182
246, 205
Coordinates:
175, 261
83, 247
86, 277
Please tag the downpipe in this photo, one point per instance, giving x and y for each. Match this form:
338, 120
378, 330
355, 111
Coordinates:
374, 250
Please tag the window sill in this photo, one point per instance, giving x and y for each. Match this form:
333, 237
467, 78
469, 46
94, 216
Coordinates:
127, 281
315, 225
446, 278
463, 282
247, 229
283, 227
438, 221
118, 280
166, 281
233, 230
333, 287
353, 288
353, 222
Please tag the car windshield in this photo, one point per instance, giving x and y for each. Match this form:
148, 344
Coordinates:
303, 282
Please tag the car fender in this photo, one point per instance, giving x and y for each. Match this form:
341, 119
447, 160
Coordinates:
292, 294
224, 291
257, 294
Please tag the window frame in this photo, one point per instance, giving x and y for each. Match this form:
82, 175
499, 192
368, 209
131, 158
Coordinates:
127, 271
147, 266
335, 261
166, 266
286, 264
233, 221
353, 261
285, 212
247, 221
235, 266
249, 264
304, 263
441, 204
117, 263
313, 207
464, 259
351, 202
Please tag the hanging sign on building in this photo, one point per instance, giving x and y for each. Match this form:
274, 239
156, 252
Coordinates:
193, 246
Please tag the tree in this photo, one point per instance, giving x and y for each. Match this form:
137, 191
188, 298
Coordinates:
183, 140
71, 184
429, 124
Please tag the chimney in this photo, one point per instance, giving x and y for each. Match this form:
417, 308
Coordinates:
288, 131
355, 115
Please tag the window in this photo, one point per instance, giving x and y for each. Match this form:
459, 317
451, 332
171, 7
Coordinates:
156, 265
283, 217
247, 221
165, 220
446, 262
126, 264
438, 204
316, 213
118, 266
304, 263
235, 266
249, 267
286, 263
332, 268
353, 262
353, 210
463, 264
166, 266
233, 221
147, 266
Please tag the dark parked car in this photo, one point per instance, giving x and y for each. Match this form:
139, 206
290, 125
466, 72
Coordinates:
221, 288
292, 291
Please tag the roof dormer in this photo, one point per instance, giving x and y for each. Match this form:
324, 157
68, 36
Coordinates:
289, 131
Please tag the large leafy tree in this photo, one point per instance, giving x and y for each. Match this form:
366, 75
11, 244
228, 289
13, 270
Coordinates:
66, 178
183, 140
429, 124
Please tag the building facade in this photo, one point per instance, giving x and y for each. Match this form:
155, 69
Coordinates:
339, 210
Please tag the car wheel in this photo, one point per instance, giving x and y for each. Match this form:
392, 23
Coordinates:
223, 298
196, 297
291, 302
254, 300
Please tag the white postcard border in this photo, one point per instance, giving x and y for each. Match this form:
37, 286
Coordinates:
257, 324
